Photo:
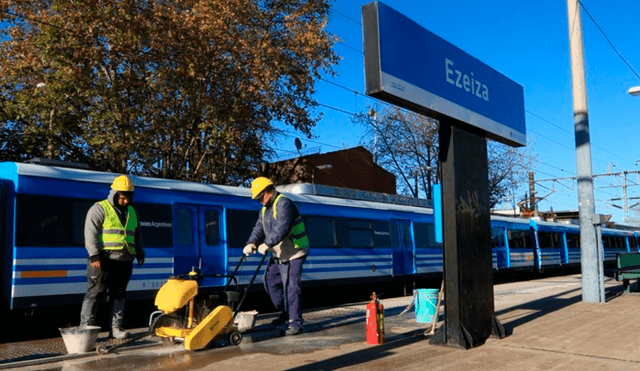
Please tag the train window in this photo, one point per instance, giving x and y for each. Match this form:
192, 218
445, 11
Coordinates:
156, 224
407, 241
321, 231
632, 242
184, 230
360, 233
50, 221
519, 238
381, 233
497, 237
239, 224
606, 241
548, 239
393, 234
573, 240
425, 235
212, 227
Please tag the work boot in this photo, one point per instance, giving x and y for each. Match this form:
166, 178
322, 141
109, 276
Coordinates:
293, 331
119, 333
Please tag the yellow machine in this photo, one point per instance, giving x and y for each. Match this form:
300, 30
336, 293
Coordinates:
196, 332
182, 316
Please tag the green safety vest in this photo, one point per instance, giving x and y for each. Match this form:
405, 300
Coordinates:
298, 233
114, 236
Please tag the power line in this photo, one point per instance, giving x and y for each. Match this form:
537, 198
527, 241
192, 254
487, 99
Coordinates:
346, 16
609, 41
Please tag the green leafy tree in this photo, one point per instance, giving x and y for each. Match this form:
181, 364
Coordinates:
177, 89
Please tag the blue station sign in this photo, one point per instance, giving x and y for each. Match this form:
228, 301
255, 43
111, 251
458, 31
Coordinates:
407, 65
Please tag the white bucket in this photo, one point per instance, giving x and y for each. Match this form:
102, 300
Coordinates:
245, 320
80, 339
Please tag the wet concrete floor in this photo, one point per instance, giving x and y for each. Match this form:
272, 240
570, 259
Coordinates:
544, 319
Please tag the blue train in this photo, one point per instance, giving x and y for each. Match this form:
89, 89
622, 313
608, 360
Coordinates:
355, 236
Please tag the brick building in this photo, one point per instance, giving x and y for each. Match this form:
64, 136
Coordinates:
348, 168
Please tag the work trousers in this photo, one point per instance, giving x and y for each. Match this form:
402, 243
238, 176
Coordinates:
283, 283
113, 278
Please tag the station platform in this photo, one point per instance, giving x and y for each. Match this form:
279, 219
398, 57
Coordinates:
549, 327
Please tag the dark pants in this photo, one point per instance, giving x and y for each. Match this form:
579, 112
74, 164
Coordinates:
112, 277
283, 283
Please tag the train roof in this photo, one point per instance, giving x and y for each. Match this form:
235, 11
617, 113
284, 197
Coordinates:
310, 193
82, 175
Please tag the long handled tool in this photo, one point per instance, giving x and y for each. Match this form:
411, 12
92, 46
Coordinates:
103, 349
218, 323
181, 291
435, 317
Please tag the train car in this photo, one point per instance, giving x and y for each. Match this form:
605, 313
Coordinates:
355, 236
558, 244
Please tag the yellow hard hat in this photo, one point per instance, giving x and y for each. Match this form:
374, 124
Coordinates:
123, 184
258, 185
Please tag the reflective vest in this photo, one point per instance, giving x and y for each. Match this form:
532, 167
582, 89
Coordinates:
298, 233
114, 236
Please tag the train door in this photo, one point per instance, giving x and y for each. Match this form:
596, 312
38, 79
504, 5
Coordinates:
198, 242
499, 251
403, 250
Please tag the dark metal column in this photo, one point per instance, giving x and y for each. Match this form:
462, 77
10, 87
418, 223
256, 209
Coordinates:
468, 270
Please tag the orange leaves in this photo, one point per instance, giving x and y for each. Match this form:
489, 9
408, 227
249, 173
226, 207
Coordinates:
169, 86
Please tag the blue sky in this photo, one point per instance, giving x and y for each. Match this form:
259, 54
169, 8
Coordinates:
528, 43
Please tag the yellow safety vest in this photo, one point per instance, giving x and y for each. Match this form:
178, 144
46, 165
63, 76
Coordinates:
298, 233
114, 236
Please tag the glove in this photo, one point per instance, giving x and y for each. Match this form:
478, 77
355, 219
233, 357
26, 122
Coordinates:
95, 261
140, 259
249, 249
263, 248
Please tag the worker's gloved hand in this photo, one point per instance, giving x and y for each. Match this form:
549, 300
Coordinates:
249, 249
263, 248
95, 261
140, 259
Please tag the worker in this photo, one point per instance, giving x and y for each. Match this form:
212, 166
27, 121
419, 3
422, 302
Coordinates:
280, 231
112, 239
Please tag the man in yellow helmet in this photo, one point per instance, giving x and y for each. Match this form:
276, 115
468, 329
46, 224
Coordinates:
112, 239
280, 230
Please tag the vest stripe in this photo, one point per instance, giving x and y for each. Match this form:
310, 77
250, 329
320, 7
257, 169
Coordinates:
114, 235
298, 233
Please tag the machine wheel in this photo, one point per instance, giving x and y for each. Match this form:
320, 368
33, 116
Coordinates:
168, 341
235, 338
102, 349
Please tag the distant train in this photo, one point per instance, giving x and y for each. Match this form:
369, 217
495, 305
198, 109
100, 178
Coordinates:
355, 236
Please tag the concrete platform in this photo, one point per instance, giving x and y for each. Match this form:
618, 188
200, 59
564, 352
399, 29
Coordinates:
549, 325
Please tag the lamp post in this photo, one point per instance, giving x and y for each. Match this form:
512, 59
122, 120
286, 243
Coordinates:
635, 91
321, 167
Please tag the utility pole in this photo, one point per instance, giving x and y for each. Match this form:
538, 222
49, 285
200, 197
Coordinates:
532, 195
591, 252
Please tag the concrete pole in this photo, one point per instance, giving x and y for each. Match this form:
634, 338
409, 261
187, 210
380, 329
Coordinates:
592, 277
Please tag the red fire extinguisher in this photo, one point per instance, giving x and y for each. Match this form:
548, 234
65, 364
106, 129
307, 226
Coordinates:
375, 321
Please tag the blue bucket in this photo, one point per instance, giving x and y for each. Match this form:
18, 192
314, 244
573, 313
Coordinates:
426, 301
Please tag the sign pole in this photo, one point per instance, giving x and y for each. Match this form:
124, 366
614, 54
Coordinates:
468, 267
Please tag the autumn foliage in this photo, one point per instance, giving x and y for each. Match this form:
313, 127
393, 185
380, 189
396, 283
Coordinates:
185, 89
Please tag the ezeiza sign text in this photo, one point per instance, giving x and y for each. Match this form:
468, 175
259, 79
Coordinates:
410, 66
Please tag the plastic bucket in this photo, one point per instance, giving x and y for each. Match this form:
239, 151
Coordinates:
245, 320
80, 339
426, 301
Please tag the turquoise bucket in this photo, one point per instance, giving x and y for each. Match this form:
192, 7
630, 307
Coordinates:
426, 301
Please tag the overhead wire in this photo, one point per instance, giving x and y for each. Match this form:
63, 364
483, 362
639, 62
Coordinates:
357, 93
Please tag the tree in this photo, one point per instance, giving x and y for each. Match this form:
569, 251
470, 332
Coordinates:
181, 89
406, 144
